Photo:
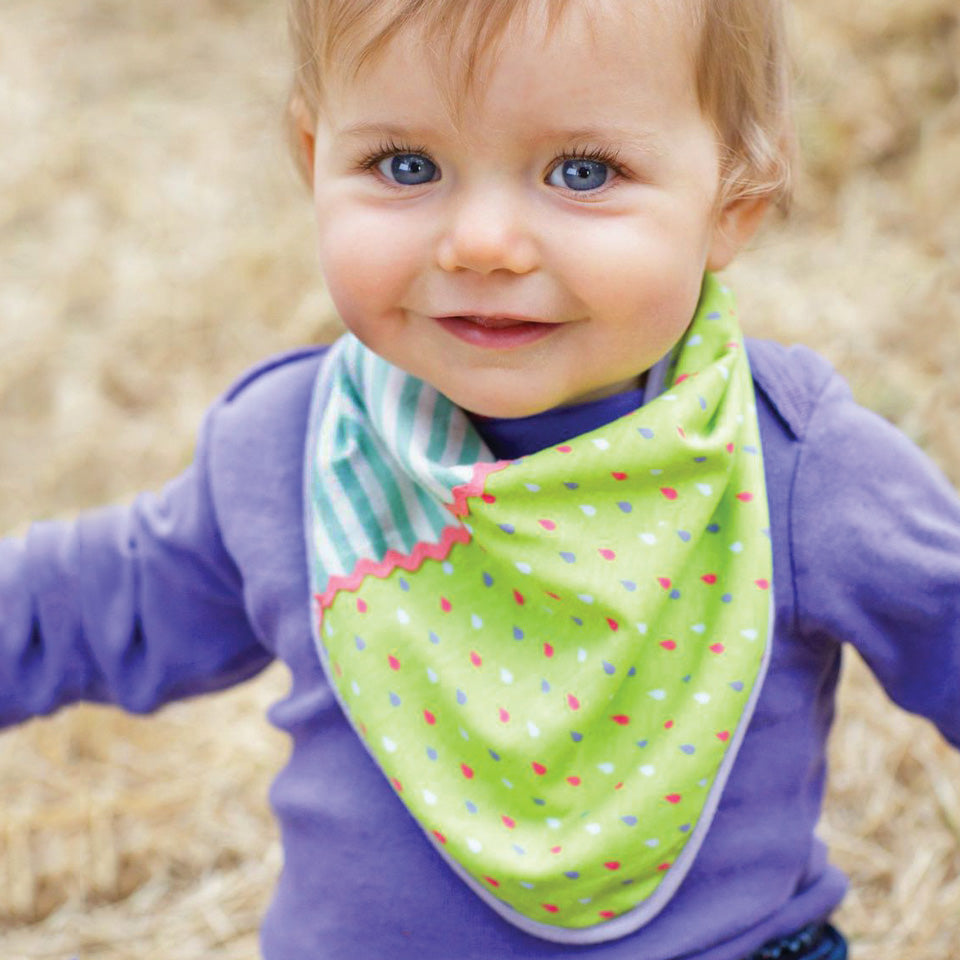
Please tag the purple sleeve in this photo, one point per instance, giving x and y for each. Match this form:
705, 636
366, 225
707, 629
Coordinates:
876, 537
133, 605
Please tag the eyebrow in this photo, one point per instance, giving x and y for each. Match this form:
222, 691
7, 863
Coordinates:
644, 140
364, 130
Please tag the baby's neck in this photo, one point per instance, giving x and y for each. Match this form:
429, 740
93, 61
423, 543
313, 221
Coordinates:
520, 436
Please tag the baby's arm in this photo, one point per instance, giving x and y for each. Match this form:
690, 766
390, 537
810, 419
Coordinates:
133, 605
876, 550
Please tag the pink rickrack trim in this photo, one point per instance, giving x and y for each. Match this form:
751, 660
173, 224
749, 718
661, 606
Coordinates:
474, 486
455, 533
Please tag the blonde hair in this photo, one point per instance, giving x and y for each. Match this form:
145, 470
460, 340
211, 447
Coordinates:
741, 62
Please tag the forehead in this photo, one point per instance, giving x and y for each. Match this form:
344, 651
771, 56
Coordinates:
460, 42
615, 77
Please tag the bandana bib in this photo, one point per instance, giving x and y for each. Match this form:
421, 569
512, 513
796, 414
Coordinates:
553, 659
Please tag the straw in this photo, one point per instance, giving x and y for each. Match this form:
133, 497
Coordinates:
156, 243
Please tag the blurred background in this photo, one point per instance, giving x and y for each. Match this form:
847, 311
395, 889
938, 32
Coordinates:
155, 241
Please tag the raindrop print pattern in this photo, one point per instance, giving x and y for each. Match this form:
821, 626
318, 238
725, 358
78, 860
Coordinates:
557, 690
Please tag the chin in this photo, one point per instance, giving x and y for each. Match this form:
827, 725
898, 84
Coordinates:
505, 408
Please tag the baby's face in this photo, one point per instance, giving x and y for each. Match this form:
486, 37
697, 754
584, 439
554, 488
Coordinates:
545, 246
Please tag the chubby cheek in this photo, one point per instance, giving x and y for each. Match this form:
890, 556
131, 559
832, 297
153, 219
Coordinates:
645, 276
366, 268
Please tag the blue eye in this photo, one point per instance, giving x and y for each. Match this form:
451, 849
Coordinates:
409, 169
579, 174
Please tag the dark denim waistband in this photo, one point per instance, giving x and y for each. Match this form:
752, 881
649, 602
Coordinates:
816, 941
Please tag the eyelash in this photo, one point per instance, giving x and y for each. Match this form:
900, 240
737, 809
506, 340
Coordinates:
389, 148
609, 158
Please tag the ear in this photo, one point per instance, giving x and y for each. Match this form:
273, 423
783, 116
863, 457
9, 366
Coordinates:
735, 225
302, 135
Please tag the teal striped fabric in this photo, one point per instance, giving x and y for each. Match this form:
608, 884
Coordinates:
387, 450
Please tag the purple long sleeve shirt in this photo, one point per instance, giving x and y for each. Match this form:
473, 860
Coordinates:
202, 586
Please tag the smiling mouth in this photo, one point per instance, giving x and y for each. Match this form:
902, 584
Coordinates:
496, 332
494, 322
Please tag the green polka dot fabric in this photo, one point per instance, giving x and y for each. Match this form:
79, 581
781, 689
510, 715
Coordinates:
556, 676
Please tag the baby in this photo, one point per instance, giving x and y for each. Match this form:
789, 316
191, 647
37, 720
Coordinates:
561, 568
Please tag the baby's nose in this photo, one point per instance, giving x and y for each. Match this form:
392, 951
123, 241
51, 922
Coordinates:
488, 231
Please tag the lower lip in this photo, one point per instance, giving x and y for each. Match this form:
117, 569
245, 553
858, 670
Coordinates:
503, 337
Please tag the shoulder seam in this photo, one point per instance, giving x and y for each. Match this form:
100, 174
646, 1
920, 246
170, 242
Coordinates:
791, 379
270, 364
814, 410
793, 382
212, 429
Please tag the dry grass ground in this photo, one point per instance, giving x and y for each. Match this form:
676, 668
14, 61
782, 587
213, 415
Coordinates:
154, 242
